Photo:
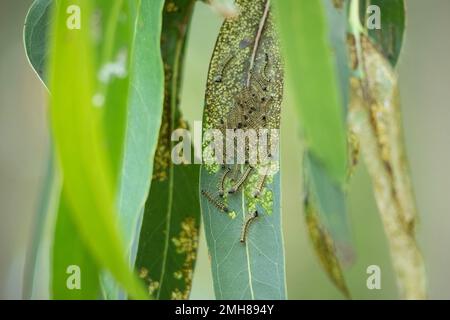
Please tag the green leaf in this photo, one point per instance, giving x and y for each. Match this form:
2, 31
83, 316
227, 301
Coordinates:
116, 44
169, 236
145, 103
68, 248
324, 207
80, 145
311, 69
328, 200
324, 247
247, 260
36, 36
45, 214
70, 252
393, 22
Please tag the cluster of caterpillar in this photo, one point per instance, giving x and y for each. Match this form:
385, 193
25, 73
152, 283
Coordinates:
251, 110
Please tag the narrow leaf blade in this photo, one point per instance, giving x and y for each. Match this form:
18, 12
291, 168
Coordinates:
305, 35
168, 242
79, 142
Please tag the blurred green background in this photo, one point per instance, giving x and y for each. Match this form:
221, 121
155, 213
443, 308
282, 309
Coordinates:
425, 88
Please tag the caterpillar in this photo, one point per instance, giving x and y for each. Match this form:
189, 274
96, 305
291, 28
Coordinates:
241, 180
219, 77
257, 122
247, 222
260, 186
261, 81
266, 66
222, 182
247, 99
216, 202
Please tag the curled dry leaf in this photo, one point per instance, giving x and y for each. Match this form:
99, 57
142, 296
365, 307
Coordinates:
375, 118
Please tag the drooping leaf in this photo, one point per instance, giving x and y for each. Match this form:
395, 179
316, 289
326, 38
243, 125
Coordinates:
113, 26
315, 70
113, 50
328, 200
145, 105
169, 236
67, 248
243, 232
45, 215
144, 109
324, 246
80, 145
112, 90
311, 68
75, 274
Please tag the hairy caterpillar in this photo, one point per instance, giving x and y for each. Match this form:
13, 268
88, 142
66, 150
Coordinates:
241, 180
266, 66
260, 186
262, 83
247, 222
216, 202
222, 182
219, 77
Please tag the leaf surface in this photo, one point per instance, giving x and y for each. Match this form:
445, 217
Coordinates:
168, 243
80, 145
247, 260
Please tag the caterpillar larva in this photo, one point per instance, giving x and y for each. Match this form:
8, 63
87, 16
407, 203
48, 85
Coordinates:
241, 180
219, 77
266, 66
216, 202
246, 99
261, 81
222, 182
247, 222
260, 186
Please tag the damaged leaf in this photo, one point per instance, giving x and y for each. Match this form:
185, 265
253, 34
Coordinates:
376, 120
168, 243
325, 248
241, 202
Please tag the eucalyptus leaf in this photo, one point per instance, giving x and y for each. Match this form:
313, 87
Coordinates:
243, 232
75, 273
78, 135
321, 79
145, 105
305, 36
43, 221
133, 113
168, 243
325, 248
68, 249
